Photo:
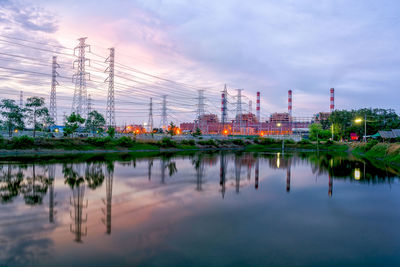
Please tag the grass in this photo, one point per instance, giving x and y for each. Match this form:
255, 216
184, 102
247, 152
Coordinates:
388, 153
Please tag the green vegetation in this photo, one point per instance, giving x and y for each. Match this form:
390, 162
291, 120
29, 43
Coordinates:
386, 152
317, 133
95, 122
13, 116
343, 122
74, 121
38, 114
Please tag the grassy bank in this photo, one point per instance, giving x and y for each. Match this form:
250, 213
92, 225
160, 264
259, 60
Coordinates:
388, 153
20, 146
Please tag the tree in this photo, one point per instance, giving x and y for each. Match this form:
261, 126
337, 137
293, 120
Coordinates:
317, 133
197, 132
171, 129
111, 132
38, 114
74, 121
12, 114
95, 121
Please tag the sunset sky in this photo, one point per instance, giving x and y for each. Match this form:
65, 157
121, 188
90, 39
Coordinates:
269, 46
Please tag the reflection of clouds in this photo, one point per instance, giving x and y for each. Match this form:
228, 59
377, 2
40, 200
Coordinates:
29, 251
147, 214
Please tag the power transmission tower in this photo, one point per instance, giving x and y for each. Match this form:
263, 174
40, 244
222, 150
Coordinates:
164, 122
21, 99
79, 103
110, 113
150, 123
54, 83
89, 105
250, 106
224, 107
239, 109
200, 110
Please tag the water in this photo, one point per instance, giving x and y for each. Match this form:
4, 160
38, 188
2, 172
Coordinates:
200, 210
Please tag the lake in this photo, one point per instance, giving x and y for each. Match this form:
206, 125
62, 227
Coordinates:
199, 209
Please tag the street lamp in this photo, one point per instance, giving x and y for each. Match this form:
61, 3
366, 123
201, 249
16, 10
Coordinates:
359, 120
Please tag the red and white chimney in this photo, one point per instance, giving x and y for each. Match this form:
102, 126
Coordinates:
332, 106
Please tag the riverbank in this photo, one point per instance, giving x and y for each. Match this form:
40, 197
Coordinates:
387, 153
26, 147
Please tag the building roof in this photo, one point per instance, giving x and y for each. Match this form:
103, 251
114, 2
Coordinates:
387, 134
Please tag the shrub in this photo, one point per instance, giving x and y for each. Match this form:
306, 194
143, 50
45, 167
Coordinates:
98, 141
289, 141
329, 142
369, 145
167, 142
304, 142
22, 142
209, 142
125, 141
238, 142
190, 142
265, 141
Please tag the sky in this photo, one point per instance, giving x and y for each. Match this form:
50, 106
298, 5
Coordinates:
268, 46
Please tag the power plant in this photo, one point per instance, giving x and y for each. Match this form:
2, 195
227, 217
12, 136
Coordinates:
249, 123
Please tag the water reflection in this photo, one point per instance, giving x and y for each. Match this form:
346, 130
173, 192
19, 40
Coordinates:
101, 193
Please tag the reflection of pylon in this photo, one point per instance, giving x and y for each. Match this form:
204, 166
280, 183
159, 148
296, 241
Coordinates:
237, 173
222, 174
150, 166
51, 193
162, 171
288, 179
330, 186
256, 173
77, 203
199, 173
108, 202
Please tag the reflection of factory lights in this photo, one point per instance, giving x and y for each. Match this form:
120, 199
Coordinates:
278, 160
357, 174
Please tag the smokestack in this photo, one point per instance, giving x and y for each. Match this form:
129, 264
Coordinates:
332, 107
258, 107
290, 103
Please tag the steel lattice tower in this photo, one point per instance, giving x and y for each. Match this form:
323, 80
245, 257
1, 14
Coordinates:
110, 113
164, 122
150, 123
89, 105
200, 110
79, 103
54, 83
224, 109
239, 109
21, 99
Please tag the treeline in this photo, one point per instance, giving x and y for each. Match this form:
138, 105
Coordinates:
344, 122
34, 113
